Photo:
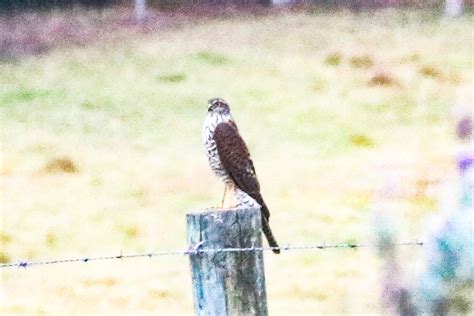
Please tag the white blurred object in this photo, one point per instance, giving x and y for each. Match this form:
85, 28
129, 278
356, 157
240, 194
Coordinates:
140, 9
453, 8
282, 2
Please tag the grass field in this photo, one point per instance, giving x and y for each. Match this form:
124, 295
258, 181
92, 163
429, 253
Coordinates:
102, 152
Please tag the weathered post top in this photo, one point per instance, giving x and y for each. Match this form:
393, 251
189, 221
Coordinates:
227, 283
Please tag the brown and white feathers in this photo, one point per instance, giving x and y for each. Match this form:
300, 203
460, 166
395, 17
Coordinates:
230, 160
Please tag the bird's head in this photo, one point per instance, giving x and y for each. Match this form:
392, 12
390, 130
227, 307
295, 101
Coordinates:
218, 106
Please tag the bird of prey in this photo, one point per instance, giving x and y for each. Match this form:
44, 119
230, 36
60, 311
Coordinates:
230, 160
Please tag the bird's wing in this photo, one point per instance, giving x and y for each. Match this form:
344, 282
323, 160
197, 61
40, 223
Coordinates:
235, 158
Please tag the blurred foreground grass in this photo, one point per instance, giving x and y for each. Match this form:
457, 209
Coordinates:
102, 153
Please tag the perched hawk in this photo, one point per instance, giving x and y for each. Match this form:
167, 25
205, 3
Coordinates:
230, 160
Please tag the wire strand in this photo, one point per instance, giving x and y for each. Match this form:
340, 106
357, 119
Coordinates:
197, 249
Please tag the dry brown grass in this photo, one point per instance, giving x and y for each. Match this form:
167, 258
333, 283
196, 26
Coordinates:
430, 71
383, 78
361, 140
61, 165
333, 59
362, 61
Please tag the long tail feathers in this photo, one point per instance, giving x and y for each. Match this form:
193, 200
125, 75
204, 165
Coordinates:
268, 233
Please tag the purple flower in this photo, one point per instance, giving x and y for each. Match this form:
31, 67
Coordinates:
465, 162
464, 128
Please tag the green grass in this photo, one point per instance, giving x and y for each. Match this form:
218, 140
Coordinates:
128, 117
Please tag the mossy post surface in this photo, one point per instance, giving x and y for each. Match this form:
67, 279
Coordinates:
227, 283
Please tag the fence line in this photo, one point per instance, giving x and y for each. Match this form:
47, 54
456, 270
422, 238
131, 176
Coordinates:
197, 249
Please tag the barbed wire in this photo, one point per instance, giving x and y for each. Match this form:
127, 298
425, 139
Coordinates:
197, 249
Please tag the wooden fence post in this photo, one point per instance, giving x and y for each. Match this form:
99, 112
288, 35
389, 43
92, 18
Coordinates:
227, 283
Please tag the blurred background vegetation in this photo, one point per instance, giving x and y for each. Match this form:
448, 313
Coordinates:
354, 4
101, 144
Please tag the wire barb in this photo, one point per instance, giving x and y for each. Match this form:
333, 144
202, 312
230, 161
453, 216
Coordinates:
198, 249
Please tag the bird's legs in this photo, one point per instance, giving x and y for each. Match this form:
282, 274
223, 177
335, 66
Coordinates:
222, 205
223, 197
229, 187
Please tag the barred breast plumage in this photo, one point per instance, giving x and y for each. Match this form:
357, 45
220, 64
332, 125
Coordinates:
210, 123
